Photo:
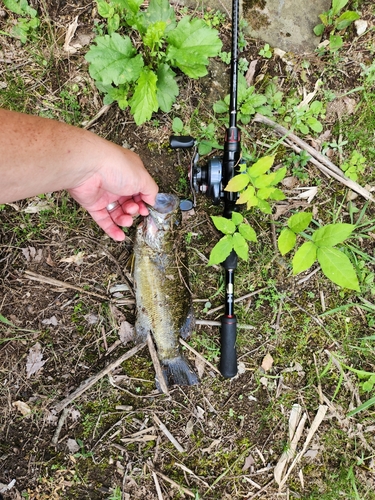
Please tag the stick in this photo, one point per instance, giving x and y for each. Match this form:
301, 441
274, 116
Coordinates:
318, 159
185, 344
157, 366
63, 284
92, 380
171, 438
176, 485
60, 423
157, 485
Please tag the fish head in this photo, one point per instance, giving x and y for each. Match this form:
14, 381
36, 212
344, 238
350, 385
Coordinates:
163, 216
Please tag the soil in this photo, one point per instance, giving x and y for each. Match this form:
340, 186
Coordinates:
58, 271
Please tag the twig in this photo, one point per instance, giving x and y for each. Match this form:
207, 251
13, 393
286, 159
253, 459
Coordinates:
103, 110
62, 284
60, 423
157, 485
321, 161
171, 438
185, 344
239, 299
92, 380
157, 366
173, 483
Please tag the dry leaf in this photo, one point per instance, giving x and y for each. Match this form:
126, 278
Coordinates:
200, 365
76, 259
22, 407
126, 332
267, 362
251, 72
34, 360
69, 36
31, 254
37, 206
189, 427
75, 415
249, 461
50, 321
72, 445
307, 193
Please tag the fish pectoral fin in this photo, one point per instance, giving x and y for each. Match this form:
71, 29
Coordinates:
188, 325
177, 371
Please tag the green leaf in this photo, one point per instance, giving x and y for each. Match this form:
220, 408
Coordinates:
264, 206
220, 107
144, 101
277, 195
319, 29
153, 37
262, 181
237, 218
332, 234
223, 224
286, 241
119, 94
20, 7
112, 60
364, 406
261, 166
105, 9
190, 46
346, 19
160, 10
167, 88
177, 125
299, 222
240, 246
237, 183
304, 257
264, 193
335, 42
247, 232
248, 196
113, 23
314, 124
338, 5
4, 320
337, 267
221, 250
278, 176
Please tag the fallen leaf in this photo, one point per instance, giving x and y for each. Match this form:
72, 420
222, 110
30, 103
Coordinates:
34, 360
31, 254
50, 321
251, 72
249, 461
189, 427
75, 415
72, 445
267, 362
126, 332
37, 206
200, 365
22, 407
76, 259
70, 35
91, 318
360, 26
307, 193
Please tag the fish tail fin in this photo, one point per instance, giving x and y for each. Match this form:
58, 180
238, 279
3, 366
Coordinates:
177, 371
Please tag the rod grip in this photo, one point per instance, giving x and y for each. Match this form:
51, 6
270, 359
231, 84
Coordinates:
228, 358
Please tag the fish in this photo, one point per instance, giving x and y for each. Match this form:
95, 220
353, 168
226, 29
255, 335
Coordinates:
163, 300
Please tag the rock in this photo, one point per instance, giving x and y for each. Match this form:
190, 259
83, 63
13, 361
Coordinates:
360, 26
286, 24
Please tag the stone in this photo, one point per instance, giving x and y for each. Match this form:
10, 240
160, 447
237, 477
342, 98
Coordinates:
285, 24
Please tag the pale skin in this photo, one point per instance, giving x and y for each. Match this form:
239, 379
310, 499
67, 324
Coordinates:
38, 155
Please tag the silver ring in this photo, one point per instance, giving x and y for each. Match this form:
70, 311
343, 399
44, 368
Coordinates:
112, 206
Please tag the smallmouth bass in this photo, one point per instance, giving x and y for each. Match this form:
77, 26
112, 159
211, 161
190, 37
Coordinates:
163, 301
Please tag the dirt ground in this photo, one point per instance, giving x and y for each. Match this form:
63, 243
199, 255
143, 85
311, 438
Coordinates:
66, 299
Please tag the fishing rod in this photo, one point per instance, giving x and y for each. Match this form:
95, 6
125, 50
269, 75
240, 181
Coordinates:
211, 179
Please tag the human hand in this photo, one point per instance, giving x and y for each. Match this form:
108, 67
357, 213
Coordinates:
122, 181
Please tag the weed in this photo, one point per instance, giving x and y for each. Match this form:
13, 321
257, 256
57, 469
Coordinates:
26, 25
166, 43
355, 166
266, 51
333, 22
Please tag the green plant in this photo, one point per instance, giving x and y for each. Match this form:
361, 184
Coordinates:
255, 186
205, 135
354, 166
335, 265
298, 161
305, 118
116, 494
333, 21
140, 75
237, 234
27, 24
249, 102
266, 51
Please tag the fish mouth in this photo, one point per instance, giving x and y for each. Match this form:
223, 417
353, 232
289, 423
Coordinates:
165, 204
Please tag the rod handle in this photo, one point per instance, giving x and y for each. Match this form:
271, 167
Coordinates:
228, 358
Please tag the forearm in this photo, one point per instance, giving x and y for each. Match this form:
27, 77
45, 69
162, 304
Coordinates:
38, 155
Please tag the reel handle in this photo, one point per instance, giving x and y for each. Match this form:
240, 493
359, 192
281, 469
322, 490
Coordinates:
228, 354
181, 141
